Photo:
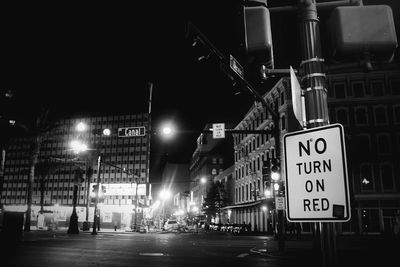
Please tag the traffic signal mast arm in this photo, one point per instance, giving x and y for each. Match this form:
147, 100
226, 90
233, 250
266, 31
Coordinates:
233, 131
225, 61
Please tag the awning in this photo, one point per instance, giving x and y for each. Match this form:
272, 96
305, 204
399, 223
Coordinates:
244, 205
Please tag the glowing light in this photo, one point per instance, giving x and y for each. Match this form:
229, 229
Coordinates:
267, 193
107, 132
365, 181
165, 194
81, 127
78, 146
276, 186
203, 180
275, 176
264, 208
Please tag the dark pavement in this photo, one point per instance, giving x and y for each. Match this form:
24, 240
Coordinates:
109, 248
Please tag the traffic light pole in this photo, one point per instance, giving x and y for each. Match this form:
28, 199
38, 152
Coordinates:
95, 215
316, 105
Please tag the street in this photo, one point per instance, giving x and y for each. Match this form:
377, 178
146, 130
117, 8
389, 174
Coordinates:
48, 248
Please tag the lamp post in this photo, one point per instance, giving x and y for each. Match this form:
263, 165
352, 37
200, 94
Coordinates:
73, 222
96, 218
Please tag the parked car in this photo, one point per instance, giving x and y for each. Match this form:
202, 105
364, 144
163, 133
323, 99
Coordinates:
171, 225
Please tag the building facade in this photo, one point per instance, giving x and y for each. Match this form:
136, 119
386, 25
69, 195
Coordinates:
210, 158
367, 105
123, 172
251, 204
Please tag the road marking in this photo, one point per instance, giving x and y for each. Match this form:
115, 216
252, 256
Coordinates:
242, 255
153, 254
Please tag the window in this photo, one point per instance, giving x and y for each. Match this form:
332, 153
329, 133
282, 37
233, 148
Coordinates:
366, 177
395, 84
339, 90
361, 115
380, 115
387, 177
363, 144
370, 220
283, 123
341, 115
377, 88
358, 89
396, 114
383, 143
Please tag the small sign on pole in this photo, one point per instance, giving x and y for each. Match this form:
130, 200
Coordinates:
316, 175
280, 203
218, 130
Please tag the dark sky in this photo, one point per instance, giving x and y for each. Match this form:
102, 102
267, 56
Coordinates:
99, 58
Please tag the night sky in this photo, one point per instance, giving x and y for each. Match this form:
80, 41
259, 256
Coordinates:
100, 58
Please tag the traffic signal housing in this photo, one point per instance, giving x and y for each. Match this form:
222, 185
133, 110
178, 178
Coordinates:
275, 169
257, 36
266, 170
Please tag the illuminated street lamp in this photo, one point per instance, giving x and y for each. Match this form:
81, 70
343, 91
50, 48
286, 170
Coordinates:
167, 130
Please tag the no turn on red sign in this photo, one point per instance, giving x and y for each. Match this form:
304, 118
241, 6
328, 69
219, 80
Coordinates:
316, 175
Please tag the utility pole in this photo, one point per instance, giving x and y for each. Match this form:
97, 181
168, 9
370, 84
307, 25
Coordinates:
316, 106
96, 220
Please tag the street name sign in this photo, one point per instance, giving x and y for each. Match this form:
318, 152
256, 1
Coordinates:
317, 187
236, 67
218, 130
132, 131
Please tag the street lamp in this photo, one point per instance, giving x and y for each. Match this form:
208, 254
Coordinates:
167, 130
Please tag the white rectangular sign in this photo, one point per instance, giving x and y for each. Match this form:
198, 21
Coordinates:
218, 130
280, 203
316, 175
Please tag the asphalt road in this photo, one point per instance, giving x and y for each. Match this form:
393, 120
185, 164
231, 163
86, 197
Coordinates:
46, 248
135, 249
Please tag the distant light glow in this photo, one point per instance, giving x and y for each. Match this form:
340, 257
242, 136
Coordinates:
264, 208
81, 127
107, 132
203, 180
267, 193
78, 147
165, 194
276, 186
275, 176
167, 130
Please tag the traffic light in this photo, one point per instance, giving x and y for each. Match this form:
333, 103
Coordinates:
266, 170
257, 36
275, 169
281, 190
266, 174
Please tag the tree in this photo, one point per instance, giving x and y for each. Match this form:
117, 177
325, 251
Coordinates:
37, 128
42, 170
215, 200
